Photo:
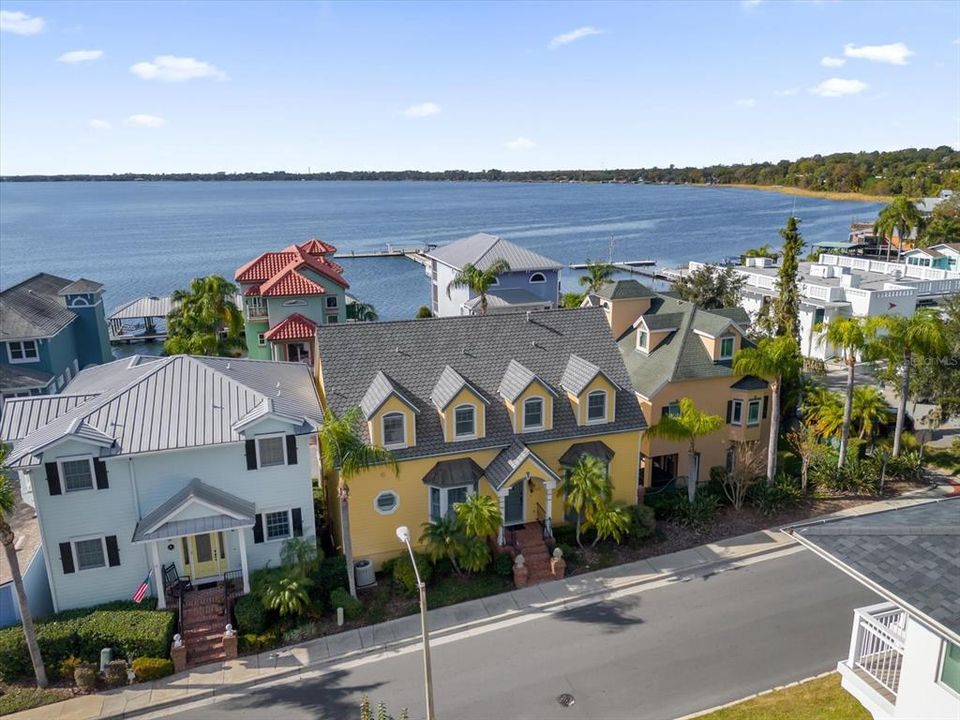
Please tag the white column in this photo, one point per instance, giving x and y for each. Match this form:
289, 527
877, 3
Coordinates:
243, 561
503, 509
548, 523
158, 576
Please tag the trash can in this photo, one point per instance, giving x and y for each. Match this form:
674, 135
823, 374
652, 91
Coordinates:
106, 655
365, 576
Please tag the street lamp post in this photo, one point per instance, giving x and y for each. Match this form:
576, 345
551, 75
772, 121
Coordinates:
403, 533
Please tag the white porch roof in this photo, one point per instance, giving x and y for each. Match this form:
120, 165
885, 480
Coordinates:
222, 511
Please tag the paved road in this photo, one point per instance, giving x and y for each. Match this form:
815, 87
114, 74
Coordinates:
661, 653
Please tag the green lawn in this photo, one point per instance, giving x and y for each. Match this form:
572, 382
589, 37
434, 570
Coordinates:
947, 459
814, 700
16, 698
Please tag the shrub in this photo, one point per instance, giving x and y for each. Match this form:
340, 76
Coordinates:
288, 595
300, 633
263, 578
352, 608
503, 565
86, 677
699, 513
251, 615
67, 667
858, 475
565, 534
664, 501
404, 576
783, 494
257, 642
643, 522
115, 673
146, 669
331, 574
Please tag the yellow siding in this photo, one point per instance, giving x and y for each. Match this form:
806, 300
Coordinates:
393, 404
536, 389
579, 404
621, 314
448, 418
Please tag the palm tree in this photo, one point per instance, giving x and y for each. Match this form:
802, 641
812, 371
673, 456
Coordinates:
900, 215
689, 425
205, 320
904, 337
823, 411
8, 503
479, 281
773, 359
343, 446
364, 312
870, 410
444, 540
584, 485
608, 518
851, 337
478, 515
598, 273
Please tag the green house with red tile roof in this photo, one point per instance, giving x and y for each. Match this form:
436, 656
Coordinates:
286, 295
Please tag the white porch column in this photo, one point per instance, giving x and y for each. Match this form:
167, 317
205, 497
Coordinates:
158, 576
243, 561
548, 522
503, 509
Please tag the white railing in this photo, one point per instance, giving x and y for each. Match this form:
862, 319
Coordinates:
877, 648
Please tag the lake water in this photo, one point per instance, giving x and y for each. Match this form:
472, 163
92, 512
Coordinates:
143, 238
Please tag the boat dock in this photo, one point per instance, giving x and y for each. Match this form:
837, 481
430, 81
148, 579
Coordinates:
417, 253
140, 320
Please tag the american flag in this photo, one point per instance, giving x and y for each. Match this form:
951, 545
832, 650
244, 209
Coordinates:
142, 590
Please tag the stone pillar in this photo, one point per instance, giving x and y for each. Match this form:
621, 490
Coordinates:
229, 643
558, 566
520, 572
178, 653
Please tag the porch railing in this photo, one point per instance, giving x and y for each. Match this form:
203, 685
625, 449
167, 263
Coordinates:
878, 646
545, 522
232, 589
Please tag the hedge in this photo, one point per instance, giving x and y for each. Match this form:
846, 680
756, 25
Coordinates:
149, 668
131, 630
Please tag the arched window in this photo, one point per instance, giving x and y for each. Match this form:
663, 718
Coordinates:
538, 277
464, 422
394, 430
597, 406
533, 414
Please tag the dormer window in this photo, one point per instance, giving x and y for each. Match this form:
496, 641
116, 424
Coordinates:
465, 422
533, 414
538, 277
394, 430
643, 340
726, 347
597, 406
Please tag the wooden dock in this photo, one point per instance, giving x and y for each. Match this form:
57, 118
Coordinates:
417, 254
628, 265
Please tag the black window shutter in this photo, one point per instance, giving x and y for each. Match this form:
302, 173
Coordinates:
251, 447
766, 404
113, 552
729, 411
53, 480
258, 530
100, 467
66, 557
664, 411
297, 519
291, 449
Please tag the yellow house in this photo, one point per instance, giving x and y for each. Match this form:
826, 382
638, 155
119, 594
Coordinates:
672, 350
501, 405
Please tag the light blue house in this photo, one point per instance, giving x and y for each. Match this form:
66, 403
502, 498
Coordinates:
26, 532
533, 282
184, 466
50, 329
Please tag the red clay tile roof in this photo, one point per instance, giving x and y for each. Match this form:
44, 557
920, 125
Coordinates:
314, 246
295, 327
289, 282
267, 267
252, 290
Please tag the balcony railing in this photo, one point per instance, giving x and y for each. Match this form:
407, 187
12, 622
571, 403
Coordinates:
877, 649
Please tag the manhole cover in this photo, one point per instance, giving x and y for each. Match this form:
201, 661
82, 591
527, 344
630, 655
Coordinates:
566, 700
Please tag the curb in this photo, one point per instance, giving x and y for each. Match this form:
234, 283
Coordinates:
701, 713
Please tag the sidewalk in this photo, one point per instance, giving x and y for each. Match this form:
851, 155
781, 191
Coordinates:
236, 676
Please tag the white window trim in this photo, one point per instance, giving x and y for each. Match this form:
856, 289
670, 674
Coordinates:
63, 477
465, 436
494, 282
543, 278
76, 559
445, 498
22, 344
267, 436
543, 414
383, 432
270, 511
336, 302
759, 404
606, 407
261, 340
396, 504
720, 354
645, 347
294, 303
733, 413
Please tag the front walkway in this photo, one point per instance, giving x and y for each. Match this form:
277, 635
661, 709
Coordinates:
236, 676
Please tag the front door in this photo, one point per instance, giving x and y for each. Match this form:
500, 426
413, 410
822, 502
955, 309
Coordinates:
513, 505
204, 555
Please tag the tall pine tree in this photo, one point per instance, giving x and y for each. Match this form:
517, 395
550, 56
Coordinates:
787, 304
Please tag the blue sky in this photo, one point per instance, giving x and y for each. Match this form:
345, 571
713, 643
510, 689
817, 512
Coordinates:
160, 87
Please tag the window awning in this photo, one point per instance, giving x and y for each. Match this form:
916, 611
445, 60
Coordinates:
453, 473
595, 448
179, 515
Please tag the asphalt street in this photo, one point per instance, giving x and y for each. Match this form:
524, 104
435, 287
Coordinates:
661, 653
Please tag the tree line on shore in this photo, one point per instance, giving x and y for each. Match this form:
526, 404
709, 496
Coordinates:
911, 171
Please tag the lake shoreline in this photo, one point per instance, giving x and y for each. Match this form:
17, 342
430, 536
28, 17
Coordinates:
801, 192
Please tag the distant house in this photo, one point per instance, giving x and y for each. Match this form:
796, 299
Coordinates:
904, 658
50, 328
533, 282
945, 256
286, 296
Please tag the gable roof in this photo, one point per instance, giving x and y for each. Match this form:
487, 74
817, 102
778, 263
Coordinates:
509, 460
413, 354
517, 378
483, 249
448, 385
294, 327
81, 287
910, 555
380, 389
272, 270
32, 309
227, 512
316, 246
579, 373
624, 289
175, 402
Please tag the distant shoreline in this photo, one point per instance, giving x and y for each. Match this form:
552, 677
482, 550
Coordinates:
825, 194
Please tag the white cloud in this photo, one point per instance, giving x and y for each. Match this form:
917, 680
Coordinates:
422, 110
746, 102
894, 53
170, 68
838, 87
569, 37
787, 92
79, 56
100, 124
19, 23
750, 4
833, 62
146, 121
520, 143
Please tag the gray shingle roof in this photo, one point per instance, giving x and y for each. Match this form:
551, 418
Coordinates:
155, 526
381, 388
517, 378
750, 382
32, 309
505, 464
596, 448
14, 378
81, 287
176, 402
508, 298
453, 473
415, 353
624, 289
482, 250
910, 555
578, 374
450, 383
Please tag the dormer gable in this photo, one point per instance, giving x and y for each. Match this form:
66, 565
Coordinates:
721, 342
528, 398
590, 391
650, 333
390, 414
462, 407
